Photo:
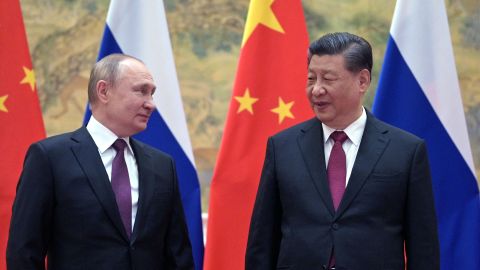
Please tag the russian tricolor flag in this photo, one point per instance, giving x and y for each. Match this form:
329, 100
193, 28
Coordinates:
139, 28
419, 92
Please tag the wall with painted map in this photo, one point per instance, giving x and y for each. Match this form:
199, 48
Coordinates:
64, 37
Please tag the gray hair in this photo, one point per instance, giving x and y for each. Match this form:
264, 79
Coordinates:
107, 69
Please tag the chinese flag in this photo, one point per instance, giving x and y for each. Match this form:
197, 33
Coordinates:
20, 115
268, 96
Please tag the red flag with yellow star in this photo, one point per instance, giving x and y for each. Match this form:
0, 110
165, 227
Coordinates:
20, 115
268, 96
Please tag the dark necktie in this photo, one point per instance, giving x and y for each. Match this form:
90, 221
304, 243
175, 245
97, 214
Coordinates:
337, 168
121, 185
337, 172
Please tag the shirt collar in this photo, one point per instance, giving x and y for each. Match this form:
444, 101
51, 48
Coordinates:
102, 136
354, 131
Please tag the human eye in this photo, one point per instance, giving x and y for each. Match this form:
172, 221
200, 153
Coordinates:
137, 91
142, 91
329, 78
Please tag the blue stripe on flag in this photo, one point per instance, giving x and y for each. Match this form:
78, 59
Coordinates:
158, 135
109, 45
401, 101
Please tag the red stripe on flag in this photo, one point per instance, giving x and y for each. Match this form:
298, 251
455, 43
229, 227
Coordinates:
273, 68
20, 115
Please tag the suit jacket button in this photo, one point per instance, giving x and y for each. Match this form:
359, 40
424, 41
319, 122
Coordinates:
335, 226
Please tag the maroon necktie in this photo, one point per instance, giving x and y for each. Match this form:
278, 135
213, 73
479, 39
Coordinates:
337, 168
121, 185
337, 172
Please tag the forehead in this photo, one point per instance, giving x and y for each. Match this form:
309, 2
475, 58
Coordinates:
334, 62
131, 68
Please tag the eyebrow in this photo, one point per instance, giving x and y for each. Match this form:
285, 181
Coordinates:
324, 71
144, 86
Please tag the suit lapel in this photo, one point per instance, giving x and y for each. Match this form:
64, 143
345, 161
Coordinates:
146, 183
311, 145
371, 148
89, 159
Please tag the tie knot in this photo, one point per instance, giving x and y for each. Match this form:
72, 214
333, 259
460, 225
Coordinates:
339, 136
119, 145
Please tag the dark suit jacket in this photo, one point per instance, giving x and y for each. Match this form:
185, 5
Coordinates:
65, 207
388, 200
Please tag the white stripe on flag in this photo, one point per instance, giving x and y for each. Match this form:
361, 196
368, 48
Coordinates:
421, 42
140, 22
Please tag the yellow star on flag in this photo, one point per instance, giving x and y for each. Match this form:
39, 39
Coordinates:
3, 108
29, 77
260, 12
246, 102
283, 110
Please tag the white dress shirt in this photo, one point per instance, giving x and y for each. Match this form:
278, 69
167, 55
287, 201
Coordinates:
355, 133
104, 138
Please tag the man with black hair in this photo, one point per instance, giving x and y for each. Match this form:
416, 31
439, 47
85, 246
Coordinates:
343, 190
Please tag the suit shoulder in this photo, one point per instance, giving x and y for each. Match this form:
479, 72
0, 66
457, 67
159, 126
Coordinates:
397, 133
152, 151
293, 131
56, 141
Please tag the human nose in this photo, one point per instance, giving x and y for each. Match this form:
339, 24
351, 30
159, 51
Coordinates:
318, 89
149, 104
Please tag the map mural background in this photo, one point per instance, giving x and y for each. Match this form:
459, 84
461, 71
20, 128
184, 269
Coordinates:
64, 38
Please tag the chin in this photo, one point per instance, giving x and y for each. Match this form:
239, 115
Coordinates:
139, 127
322, 115
324, 118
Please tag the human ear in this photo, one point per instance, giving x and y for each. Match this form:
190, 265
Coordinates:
102, 91
364, 79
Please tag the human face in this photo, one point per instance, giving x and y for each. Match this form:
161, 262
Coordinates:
334, 92
129, 101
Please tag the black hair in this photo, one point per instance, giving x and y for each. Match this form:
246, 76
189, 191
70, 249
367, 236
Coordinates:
356, 50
